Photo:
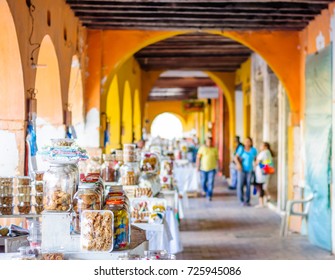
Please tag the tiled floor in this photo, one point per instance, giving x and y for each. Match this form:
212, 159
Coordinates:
223, 229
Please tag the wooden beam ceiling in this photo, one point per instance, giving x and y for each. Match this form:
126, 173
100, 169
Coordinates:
194, 51
198, 14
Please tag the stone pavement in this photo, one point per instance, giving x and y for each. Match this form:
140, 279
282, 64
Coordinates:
223, 229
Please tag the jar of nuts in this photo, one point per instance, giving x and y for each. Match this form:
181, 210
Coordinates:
58, 189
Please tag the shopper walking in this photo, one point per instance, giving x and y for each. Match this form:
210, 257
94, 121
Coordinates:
207, 163
232, 166
244, 160
263, 169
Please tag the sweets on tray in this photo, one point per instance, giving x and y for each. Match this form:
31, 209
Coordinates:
97, 230
140, 192
140, 211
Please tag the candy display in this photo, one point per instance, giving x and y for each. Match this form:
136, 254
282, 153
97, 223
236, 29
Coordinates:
121, 222
97, 229
150, 163
87, 198
7, 209
140, 211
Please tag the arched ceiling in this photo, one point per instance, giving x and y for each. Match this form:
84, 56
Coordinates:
197, 14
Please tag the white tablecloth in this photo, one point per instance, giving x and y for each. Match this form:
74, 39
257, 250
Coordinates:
164, 236
187, 178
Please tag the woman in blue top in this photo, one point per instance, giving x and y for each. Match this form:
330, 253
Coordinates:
244, 160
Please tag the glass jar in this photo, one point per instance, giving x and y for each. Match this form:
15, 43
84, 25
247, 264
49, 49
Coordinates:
86, 198
74, 176
119, 155
121, 222
129, 153
130, 173
109, 171
58, 189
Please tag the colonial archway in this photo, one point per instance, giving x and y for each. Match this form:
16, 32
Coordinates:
167, 125
12, 97
113, 110
49, 122
127, 115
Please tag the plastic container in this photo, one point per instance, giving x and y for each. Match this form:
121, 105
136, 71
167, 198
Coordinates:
87, 198
121, 222
130, 174
97, 230
58, 189
7, 209
35, 233
24, 208
39, 198
140, 210
39, 176
7, 181
109, 171
24, 198
150, 163
6, 190
24, 189
7, 199
38, 209
129, 153
119, 155
23, 180
39, 187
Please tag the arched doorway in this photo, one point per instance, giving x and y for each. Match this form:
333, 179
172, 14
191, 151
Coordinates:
167, 126
137, 116
113, 111
49, 122
12, 113
127, 115
76, 100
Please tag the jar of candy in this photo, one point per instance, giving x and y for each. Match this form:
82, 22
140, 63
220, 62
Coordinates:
121, 222
116, 191
130, 173
149, 163
109, 172
129, 153
58, 189
95, 178
86, 198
